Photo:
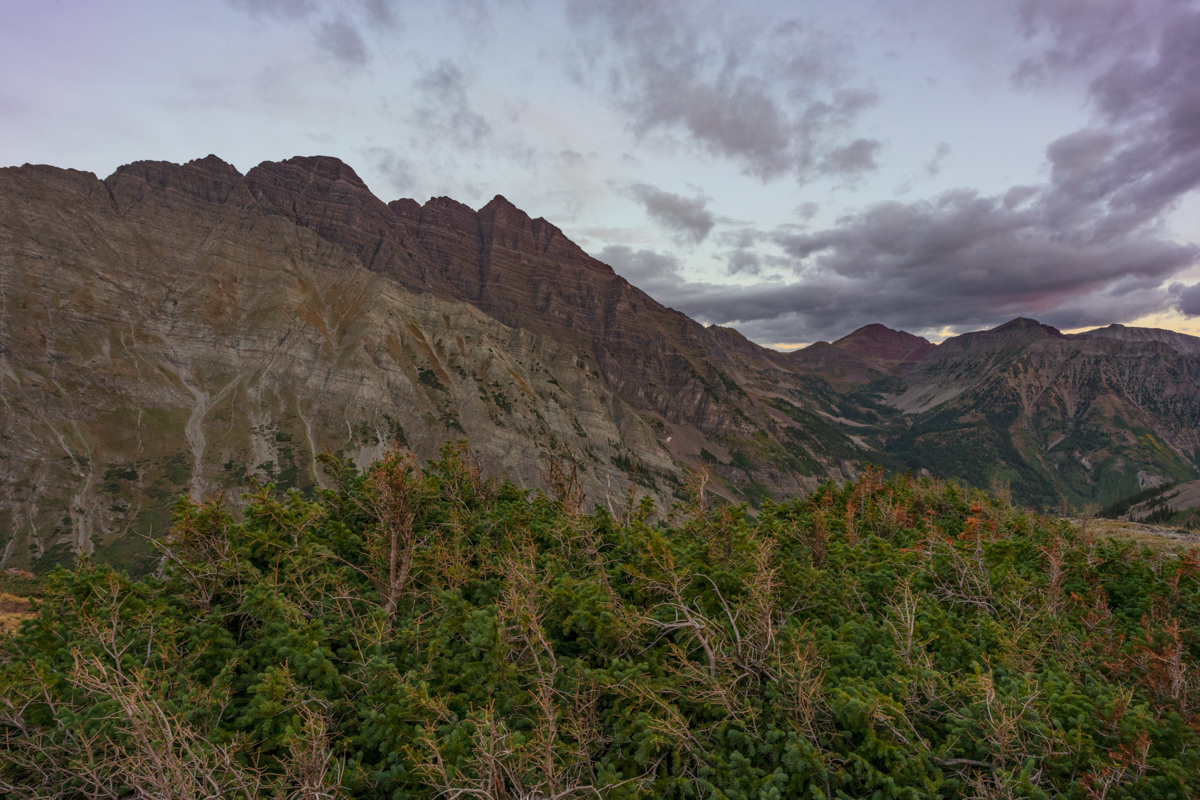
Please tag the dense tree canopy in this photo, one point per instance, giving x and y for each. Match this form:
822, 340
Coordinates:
428, 632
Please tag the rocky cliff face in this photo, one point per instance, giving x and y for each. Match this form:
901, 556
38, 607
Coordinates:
178, 329
524, 273
164, 331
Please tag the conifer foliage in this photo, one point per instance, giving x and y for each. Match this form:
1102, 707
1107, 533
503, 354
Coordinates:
430, 632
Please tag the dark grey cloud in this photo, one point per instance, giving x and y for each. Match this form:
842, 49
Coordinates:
975, 256
380, 12
776, 99
397, 170
1082, 33
687, 217
1189, 300
454, 138
342, 40
960, 260
1142, 153
444, 111
377, 12
855, 158
653, 272
1088, 247
743, 261
933, 167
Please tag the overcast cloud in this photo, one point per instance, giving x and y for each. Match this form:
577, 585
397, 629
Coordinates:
1085, 248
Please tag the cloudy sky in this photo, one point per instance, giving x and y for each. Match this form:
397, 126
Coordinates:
794, 169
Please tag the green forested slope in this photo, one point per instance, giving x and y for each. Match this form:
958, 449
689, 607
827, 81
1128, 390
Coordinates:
425, 633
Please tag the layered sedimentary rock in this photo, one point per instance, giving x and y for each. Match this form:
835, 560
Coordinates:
523, 272
164, 331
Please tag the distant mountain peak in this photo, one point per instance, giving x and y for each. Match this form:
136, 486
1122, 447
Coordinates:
1179, 342
1026, 326
330, 168
879, 341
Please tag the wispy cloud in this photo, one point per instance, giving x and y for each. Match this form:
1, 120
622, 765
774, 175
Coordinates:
775, 98
334, 26
687, 217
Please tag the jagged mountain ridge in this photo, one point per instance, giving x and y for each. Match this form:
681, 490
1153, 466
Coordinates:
180, 327
1179, 342
1088, 418
524, 272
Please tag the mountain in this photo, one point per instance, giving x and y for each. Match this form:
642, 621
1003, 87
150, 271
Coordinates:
185, 328
1179, 342
180, 328
869, 353
522, 272
1086, 418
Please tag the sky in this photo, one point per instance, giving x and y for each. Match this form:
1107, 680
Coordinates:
792, 169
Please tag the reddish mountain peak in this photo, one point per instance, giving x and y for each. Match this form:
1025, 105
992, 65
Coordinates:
209, 179
449, 204
308, 179
164, 171
448, 213
500, 212
407, 208
213, 165
329, 169
505, 225
499, 204
72, 181
880, 341
732, 339
327, 196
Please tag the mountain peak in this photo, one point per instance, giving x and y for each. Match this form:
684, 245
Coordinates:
880, 341
1026, 326
329, 168
500, 201
209, 179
